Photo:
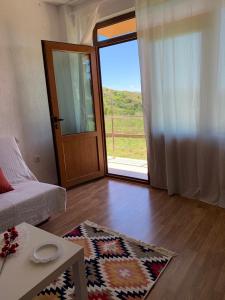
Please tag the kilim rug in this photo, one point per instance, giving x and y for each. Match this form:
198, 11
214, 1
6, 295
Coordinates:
117, 267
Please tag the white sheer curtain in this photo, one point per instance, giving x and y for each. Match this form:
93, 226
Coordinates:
182, 53
80, 20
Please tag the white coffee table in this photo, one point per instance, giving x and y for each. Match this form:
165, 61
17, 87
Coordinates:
23, 279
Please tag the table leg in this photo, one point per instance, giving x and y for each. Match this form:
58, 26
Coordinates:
79, 279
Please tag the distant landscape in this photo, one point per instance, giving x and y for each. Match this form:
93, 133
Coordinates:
123, 114
125, 103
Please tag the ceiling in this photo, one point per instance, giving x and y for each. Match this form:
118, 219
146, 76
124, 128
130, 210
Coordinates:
60, 2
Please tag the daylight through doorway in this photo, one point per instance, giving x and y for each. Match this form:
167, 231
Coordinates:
123, 113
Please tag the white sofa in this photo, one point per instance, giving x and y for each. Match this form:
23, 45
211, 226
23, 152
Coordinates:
30, 201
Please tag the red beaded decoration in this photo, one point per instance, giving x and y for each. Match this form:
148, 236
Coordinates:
9, 246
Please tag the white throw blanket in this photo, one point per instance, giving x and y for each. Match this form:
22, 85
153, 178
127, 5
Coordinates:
31, 201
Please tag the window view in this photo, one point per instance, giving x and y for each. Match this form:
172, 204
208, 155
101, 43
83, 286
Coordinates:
126, 145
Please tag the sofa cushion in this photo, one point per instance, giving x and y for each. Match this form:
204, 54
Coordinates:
4, 184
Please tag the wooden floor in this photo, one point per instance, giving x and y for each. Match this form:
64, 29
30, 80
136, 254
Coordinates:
194, 230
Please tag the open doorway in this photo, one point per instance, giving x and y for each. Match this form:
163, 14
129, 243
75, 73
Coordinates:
126, 151
123, 112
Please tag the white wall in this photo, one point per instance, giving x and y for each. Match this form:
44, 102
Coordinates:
24, 105
24, 109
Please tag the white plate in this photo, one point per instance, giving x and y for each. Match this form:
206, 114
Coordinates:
46, 252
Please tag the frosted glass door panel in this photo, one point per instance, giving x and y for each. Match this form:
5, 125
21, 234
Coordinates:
74, 91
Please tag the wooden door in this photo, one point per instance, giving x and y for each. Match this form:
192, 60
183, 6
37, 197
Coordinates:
72, 81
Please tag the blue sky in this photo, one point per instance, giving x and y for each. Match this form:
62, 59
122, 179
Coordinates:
120, 67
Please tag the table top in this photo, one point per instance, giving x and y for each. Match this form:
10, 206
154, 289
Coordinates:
21, 278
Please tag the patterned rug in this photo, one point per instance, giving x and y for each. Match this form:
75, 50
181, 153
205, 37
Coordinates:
117, 267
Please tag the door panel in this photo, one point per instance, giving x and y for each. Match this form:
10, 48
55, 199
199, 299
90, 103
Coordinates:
72, 82
86, 162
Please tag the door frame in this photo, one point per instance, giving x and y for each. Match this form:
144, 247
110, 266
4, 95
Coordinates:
102, 44
48, 46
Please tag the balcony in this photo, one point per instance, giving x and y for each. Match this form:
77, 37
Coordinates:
126, 146
135, 168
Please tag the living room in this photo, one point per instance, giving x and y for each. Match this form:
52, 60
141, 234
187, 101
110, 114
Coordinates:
64, 127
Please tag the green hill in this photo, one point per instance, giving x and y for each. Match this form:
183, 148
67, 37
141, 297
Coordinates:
127, 112
124, 102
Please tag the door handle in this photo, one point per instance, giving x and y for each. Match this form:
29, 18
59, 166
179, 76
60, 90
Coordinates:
56, 119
